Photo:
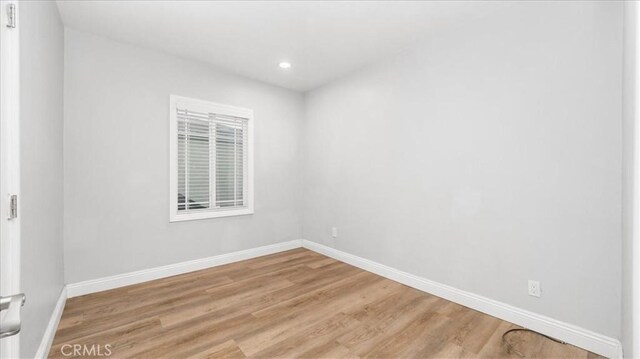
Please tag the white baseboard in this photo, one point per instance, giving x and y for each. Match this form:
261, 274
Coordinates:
121, 280
569, 333
50, 332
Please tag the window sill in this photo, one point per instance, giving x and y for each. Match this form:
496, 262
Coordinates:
208, 215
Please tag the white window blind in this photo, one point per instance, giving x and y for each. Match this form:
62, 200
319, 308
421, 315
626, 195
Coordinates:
211, 167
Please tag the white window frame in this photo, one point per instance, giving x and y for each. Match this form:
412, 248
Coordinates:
208, 107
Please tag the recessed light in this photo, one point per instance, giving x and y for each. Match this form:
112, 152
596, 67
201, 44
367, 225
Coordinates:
284, 65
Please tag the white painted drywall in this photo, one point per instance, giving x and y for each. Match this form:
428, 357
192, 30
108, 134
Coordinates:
630, 195
116, 160
41, 101
485, 157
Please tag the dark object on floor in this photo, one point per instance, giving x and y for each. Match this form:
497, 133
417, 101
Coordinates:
510, 347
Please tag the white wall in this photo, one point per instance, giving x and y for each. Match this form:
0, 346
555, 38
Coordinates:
41, 206
116, 160
487, 156
630, 195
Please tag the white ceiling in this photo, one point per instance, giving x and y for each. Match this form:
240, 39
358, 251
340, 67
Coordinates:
322, 40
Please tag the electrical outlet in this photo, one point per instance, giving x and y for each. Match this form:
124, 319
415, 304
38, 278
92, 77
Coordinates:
334, 232
534, 288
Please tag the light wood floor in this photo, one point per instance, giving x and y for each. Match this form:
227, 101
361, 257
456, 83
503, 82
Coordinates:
291, 304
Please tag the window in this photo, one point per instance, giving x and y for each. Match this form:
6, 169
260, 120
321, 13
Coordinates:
211, 160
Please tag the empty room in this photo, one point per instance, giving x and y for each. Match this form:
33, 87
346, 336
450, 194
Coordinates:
319, 179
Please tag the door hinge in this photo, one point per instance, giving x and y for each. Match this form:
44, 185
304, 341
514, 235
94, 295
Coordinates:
13, 207
11, 16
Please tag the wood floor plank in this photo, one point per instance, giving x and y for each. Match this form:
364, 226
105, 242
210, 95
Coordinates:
228, 349
322, 262
87, 327
382, 320
211, 329
309, 322
302, 315
230, 294
494, 347
116, 337
405, 341
293, 304
308, 340
483, 327
329, 350
161, 295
